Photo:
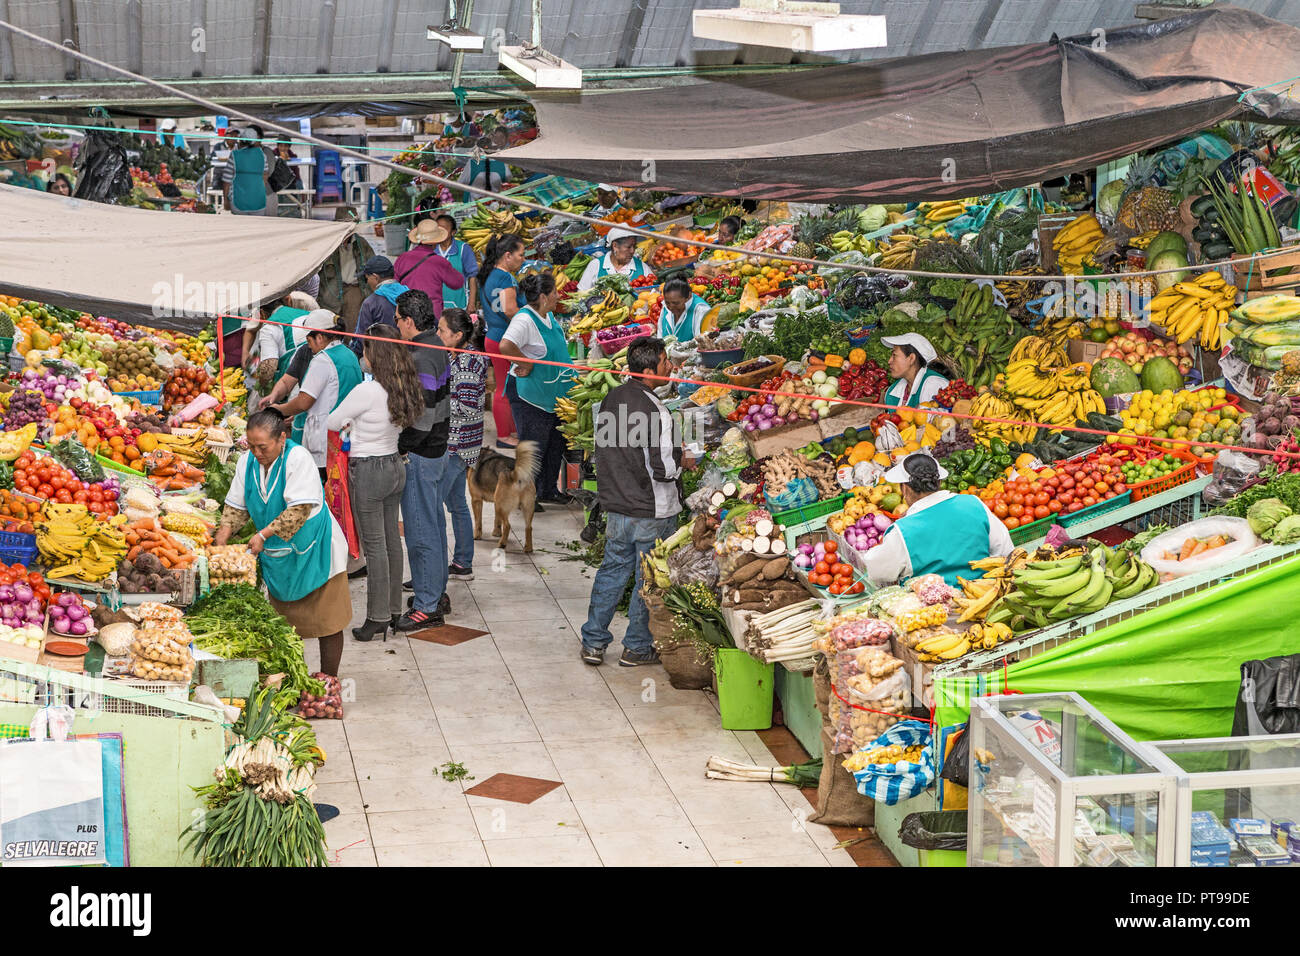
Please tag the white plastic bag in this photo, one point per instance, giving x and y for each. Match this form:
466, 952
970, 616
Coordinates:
1171, 541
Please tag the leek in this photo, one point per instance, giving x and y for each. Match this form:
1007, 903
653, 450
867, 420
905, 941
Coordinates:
800, 775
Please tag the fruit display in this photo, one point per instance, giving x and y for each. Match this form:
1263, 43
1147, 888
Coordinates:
1190, 416
183, 386
1195, 310
1070, 585
46, 479
1265, 329
1075, 242
979, 336
1040, 385
899, 251
574, 408
609, 309
954, 392
1135, 348
25, 407
76, 544
486, 223
126, 360
1031, 495
719, 288
1155, 467
670, 251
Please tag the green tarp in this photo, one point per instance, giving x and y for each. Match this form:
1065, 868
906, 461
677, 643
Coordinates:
1170, 672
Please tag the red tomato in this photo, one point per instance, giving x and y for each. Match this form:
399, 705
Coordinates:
1015, 509
1087, 482
1089, 500
836, 589
1042, 498
857, 588
820, 568
61, 494
1000, 509
6, 578
96, 494
831, 547
45, 491
1011, 522
1054, 506
1041, 511
1067, 482
95, 507
1119, 487
1074, 506
80, 497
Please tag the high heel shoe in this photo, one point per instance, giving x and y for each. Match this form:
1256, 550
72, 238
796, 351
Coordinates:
370, 630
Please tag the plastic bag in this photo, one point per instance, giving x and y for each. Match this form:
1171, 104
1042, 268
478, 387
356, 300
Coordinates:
686, 565
891, 783
72, 454
329, 705
936, 830
798, 492
733, 452
1238, 529
956, 766
1268, 701
1233, 471
103, 169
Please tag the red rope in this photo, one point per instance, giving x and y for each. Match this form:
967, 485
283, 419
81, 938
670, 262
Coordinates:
853, 402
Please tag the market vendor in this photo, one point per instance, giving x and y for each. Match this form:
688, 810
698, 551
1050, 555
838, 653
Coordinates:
621, 259
941, 533
915, 383
606, 201
683, 313
301, 548
728, 229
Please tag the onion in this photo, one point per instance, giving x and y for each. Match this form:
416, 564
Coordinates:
6, 593
813, 416
76, 612
882, 522
769, 410
78, 627
34, 617
67, 599
805, 549
750, 425
764, 424
22, 593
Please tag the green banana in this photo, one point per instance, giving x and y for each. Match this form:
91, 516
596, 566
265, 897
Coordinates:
1088, 592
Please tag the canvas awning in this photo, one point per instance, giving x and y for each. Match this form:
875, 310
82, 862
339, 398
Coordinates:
940, 125
165, 270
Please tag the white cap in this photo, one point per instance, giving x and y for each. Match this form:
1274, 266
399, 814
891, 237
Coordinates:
606, 187
321, 320
917, 341
898, 474
617, 234
167, 124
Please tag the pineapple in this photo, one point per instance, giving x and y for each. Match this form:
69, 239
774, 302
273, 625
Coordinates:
1145, 206
814, 231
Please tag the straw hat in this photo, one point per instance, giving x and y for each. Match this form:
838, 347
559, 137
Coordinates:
427, 233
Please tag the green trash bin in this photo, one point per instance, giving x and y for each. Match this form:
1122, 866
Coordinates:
745, 689
939, 837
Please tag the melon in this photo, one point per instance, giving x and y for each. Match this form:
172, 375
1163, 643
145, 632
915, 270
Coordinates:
1168, 259
1112, 377
1159, 374
1166, 240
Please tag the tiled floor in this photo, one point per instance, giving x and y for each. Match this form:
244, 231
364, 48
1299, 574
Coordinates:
628, 749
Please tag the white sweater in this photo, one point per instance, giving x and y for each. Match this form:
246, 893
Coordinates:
365, 411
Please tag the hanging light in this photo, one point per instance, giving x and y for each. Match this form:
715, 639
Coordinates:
802, 27
454, 35
542, 69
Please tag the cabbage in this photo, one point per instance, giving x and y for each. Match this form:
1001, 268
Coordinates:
1266, 513
1286, 531
872, 218
804, 298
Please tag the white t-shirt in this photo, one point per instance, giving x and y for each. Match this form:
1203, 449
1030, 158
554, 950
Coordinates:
525, 334
270, 341
889, 562
301, 486
592, 272
934, 384
364, 411
322, 383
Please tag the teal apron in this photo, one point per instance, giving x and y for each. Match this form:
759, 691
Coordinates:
894, 395
350, 375
286, 314
687, 328
295, 568
638, 268
546, 383
248, 192
456, 298
484, 167
945, 538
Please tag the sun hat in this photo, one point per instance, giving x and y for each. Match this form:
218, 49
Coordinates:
917, 341
617, 234
427, 232
318, 320
900, 475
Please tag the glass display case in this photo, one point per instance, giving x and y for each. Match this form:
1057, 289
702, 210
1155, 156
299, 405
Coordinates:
1054, 783
1238, 799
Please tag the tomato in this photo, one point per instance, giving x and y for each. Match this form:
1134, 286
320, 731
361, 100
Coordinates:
1016, 499
1067, 482
43, 473
57, 482
96, 494
831, 547
95, 507
1042, 498
857, 587
1053, 482
1015, 509
61, 495
820, 568
45, 491
1074, 506
80, 497
1101, 487
1109, 494
846, 569
1011, 522
1000, 509
1119, 487
6, 578
1041, 511
836, 589
1089, 500
1086, 483
110, 495
1054, 507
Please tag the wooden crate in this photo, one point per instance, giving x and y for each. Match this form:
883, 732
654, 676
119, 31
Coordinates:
1048, 226
1269, 276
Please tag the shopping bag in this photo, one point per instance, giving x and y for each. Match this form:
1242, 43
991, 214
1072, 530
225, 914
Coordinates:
51, 803
337, 498
891, 783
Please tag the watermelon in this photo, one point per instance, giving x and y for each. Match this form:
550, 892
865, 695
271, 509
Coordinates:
1168, 259
1112, 377
1159, 374
1166, 240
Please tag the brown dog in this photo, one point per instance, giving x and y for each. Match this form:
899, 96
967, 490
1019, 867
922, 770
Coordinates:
510, 483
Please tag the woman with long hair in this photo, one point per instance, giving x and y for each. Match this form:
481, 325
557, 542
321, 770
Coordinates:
458, 330
499, 303
373, 414
535, 333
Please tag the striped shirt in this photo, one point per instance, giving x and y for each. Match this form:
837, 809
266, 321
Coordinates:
468, 380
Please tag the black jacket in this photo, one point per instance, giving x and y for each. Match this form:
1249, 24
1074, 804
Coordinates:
428, 436
638, 454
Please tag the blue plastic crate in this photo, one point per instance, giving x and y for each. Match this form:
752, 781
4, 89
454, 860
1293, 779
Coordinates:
10, 540
23, 556
145, 398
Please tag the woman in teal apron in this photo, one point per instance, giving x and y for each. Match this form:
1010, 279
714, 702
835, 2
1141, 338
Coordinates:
683, 312
914, 382
535, 333
251, 164
941, 533
310, 410
620, 259
300, 547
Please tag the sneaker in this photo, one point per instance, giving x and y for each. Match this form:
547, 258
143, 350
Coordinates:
638, 658
592, 655
444, 605
559, 498
537, 508
459, 573
358, 573
418, 621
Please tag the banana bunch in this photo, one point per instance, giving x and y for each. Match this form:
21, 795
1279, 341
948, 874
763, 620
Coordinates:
978, 597
846, 240
1070, 586
575, 409
75, 544
479, 229
1043, 352
900, 251
1064, 408
610, 311
993, 403
944, 646
189, 448
989, 636
1195, 309
233, 379
1143, 239
978, 336
1075, 243
1059, 326
941, 211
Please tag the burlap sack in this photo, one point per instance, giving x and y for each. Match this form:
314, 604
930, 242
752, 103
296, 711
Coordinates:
838, 800
680, 658
822, 686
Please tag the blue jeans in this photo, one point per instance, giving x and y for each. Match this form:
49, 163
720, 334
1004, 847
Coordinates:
626, 539
425, 526
452, 493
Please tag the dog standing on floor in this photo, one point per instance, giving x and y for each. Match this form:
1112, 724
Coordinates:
509, 483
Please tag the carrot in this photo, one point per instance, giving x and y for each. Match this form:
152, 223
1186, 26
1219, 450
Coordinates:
1218, 541
134, 553
1199, 547
132, 538
1188, 549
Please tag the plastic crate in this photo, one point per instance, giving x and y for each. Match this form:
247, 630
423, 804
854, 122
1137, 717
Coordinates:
1145, 489
1096, 511
23, 556
807, 513
14, 540
145, 398
1033, 530
613, 346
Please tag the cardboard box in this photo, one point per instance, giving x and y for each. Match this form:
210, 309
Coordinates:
919, 672
1048, 227
1081, 350
846, 416
776, 440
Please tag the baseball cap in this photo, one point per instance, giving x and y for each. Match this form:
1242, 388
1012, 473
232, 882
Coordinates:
383, 266
167, 124
899, 474
318, 320
605, 187
917, 341
617, 234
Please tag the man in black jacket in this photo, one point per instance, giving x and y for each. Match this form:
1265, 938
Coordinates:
425, 446
638, 464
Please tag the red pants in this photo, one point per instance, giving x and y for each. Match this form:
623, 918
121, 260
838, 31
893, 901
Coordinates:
505, 422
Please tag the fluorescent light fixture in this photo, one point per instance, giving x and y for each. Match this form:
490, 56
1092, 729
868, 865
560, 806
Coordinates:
543, 70
790, 25
458, 38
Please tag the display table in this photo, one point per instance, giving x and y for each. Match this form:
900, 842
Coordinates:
794, 689
299, 200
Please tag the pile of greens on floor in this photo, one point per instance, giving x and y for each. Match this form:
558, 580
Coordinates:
260, 812
237, 621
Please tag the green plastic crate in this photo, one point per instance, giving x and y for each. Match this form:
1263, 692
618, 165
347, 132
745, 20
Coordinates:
807, 513
1096, 511
1033, 530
